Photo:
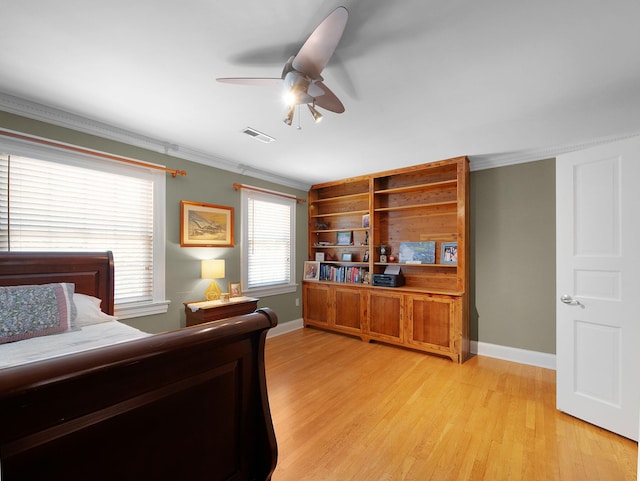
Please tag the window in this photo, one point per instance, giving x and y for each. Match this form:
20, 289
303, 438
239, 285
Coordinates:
268, 243
63, 201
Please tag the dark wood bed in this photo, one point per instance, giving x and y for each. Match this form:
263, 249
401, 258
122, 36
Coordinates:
189, 404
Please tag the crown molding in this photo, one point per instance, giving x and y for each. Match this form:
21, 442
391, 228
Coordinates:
502, 159
61, 118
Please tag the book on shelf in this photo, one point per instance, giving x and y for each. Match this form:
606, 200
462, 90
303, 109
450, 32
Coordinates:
347, 274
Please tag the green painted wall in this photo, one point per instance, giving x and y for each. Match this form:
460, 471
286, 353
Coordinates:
202, 184
512, 242
513, 256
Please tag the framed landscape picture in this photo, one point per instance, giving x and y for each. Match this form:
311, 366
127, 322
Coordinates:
205, 225
418, 252
344, 238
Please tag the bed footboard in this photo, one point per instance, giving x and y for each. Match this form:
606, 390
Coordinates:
184, 405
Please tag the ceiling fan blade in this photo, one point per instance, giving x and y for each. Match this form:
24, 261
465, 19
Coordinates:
319, 47
266, 82
265, 55
328, 101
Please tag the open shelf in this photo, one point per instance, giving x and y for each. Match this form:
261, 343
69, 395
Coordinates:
418, 187
416, 206
363, 195
340, 214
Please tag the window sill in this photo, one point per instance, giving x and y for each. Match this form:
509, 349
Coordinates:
270, 290
140, 309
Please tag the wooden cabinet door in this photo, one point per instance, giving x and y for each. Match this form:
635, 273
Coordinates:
431, 323
349, 309
385, 316
316, 304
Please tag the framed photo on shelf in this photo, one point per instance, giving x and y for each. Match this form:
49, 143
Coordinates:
347, 257
449, 253
366, 221
311, 271
205, 225
235, 289
320, 256
366, 256
344, 238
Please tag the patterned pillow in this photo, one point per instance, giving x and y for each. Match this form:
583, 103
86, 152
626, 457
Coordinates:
38, 310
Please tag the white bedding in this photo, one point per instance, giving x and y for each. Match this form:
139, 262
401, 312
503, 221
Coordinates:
46, 347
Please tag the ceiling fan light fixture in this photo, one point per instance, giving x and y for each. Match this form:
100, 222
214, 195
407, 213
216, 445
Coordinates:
289, 118
317, 116
290, 98
301, 80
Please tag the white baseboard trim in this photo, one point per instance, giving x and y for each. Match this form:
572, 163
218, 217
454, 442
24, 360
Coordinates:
285, 327
514, 354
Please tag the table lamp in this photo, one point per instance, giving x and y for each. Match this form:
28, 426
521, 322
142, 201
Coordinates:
212, 269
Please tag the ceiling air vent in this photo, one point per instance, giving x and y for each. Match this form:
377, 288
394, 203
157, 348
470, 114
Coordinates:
258, 135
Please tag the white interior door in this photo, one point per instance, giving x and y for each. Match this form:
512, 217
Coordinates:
598, 285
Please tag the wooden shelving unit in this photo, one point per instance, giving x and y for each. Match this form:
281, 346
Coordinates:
423, 203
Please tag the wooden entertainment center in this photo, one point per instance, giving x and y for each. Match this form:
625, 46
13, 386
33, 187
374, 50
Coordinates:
420, 215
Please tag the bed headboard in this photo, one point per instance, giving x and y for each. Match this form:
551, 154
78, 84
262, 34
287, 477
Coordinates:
91, 272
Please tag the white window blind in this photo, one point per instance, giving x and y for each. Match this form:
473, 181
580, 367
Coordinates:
268, 242
57, 206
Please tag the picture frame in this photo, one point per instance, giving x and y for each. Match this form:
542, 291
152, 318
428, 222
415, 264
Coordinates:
449, 253
366, 256
344, 238
235, 289
347, 257
205, 225
423, 252
311, 271
366, 221
320, 256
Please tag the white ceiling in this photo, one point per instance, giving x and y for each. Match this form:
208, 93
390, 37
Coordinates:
421, 80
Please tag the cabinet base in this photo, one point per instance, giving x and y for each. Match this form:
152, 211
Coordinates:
455, 357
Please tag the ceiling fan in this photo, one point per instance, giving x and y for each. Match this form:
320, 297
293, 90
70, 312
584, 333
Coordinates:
301, 81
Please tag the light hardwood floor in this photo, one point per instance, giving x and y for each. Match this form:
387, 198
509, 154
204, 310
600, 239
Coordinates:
345, 410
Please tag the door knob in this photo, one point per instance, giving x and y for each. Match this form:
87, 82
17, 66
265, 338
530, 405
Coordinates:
567, 299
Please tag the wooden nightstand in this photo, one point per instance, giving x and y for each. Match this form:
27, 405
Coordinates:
200, 312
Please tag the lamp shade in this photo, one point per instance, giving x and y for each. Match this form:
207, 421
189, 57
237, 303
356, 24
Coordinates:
212, 269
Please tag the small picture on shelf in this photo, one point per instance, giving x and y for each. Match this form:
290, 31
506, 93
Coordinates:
235, 289
449, 253
347, 257
365, 221
366, 256
320, 256
344, 238
311, 270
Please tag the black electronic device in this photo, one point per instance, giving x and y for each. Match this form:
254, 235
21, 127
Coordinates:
388, 280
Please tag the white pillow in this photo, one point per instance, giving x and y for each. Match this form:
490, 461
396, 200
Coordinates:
89, 311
